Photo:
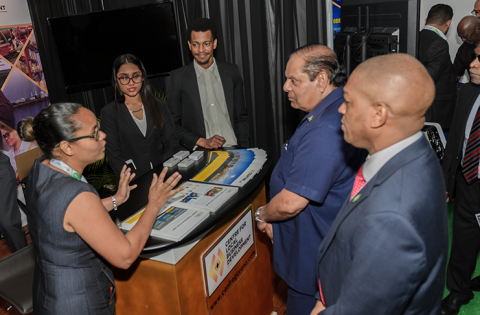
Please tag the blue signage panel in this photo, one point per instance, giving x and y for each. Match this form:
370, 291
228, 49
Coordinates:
337, 6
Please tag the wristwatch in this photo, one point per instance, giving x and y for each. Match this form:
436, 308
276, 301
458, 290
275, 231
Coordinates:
257, 215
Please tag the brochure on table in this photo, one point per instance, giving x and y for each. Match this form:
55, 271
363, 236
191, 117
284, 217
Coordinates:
232, 167
185, 210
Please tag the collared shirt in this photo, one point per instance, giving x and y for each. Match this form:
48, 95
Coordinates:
214, 107
376, 161
468, 127
436, 30
320, 166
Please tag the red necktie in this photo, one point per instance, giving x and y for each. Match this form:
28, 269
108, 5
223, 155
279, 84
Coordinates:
358, 183
472, 152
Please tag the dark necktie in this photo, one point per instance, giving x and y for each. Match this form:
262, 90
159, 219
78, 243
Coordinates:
472, 152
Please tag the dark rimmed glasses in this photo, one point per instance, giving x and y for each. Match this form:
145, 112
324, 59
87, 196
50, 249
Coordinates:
124, 80
474, 56
6, 135
475, 12
94, 136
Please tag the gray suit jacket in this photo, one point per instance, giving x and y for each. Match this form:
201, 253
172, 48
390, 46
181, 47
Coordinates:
386, 251
183, 100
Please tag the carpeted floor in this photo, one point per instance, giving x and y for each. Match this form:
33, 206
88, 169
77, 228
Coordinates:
472, 308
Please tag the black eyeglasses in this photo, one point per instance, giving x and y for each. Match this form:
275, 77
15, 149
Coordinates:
95, 136
6, 135
474, 56
475, 12
126, 80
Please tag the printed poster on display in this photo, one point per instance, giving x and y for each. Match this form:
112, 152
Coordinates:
227, 259
232, 167
172, 224
23, 90
202, 196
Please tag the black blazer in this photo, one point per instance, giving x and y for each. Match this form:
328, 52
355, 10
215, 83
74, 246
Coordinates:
452, 159
125, 140
183, 99
434, 54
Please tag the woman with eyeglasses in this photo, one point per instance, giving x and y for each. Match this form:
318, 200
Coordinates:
138, 125
15, 145
72, 232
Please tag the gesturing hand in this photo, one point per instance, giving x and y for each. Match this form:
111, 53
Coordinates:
161, 191
123, 192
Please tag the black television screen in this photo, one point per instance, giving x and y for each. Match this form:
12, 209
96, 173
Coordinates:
87, 44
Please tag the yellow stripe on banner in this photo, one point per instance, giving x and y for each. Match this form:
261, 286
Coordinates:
135, 218
213, 167
336, 4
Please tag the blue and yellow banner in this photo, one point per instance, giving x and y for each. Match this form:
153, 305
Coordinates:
336, 6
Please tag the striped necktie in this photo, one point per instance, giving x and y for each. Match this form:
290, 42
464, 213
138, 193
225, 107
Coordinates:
472, 152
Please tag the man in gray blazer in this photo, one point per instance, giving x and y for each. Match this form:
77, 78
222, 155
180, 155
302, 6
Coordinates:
387, 248
206, 97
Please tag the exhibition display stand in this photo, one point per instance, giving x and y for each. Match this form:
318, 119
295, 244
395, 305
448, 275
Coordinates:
222, 267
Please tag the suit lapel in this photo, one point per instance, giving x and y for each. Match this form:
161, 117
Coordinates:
410, 153
470, 101
227, 88
148, 117
127, 120
192, 88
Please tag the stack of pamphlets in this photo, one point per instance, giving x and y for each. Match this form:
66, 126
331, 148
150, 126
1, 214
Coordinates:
232, 167
185, 210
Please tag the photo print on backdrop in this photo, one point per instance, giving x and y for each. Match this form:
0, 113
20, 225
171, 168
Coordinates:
23, 91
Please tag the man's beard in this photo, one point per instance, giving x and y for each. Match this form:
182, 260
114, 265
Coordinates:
203, 62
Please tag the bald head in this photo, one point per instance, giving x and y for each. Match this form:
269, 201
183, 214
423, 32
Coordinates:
400, 81
476, 9
389, 96
468, 29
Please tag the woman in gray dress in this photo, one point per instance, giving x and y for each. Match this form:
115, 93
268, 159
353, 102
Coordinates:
72, 232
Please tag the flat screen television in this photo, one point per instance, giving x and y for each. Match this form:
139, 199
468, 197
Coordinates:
376, 27
87, 44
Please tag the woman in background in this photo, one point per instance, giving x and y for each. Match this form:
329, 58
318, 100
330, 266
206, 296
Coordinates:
15, 145
138, 125
71, 229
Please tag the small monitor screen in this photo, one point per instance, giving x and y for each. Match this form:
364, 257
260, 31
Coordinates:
87, 44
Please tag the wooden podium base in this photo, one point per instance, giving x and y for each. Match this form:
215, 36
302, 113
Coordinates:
152, 287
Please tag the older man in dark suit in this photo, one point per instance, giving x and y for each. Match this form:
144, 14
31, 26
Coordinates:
433, 52
206, 97
387, 248
461, 168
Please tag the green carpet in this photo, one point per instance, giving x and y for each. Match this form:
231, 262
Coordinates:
472, 308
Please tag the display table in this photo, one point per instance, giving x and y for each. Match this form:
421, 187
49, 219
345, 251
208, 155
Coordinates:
180, 287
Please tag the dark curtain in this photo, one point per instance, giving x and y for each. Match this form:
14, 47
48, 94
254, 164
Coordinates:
257, 35
290, 24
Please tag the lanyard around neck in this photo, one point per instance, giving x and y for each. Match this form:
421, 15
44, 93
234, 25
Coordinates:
436, 30
70, 171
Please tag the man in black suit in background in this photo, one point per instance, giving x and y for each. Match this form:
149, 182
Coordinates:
10, 221
206, 97
461, 171
433, 52
468, 30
